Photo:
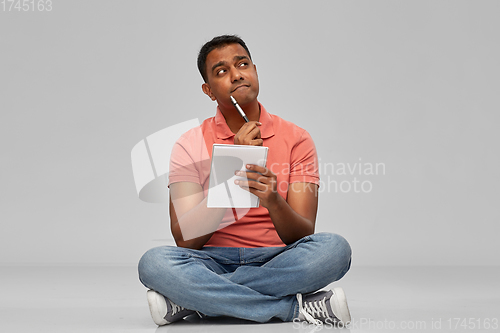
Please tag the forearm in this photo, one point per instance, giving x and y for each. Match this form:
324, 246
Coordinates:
289, 225
194, 228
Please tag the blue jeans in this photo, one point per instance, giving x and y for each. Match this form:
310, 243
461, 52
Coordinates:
249, 283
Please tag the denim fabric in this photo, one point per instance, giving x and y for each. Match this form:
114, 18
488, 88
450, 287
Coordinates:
249, 283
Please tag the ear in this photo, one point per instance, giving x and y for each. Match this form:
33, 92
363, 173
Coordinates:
206, 89
255, 67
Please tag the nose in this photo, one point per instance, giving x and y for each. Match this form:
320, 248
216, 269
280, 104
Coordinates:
236, 74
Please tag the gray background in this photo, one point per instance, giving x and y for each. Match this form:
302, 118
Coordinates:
412, 84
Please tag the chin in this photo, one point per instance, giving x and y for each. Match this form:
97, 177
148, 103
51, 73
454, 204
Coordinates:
246, 98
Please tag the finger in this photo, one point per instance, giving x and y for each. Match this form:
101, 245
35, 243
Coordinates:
253, 176
244, 130
255, 192
257, 142
248, 127
255, 133
250, 184
256, 129
263, 170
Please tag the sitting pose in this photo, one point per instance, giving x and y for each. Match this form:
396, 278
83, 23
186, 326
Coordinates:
258, 263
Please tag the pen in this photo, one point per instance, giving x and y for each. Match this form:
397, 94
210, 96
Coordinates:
237, 106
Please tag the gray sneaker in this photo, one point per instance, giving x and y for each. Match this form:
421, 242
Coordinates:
324, 307
163, 310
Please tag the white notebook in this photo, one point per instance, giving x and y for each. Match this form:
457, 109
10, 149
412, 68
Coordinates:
226, 159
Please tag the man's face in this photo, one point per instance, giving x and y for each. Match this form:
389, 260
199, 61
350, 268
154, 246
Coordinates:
231, 72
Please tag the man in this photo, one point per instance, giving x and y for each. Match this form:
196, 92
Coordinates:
268, 263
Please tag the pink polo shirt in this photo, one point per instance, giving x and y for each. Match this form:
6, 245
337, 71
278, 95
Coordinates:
291, 156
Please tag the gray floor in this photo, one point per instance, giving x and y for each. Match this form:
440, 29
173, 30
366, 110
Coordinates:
111, 299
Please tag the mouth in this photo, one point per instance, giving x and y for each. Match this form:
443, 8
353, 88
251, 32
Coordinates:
241, 86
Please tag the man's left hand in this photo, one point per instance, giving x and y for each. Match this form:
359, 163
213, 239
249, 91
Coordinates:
260, 181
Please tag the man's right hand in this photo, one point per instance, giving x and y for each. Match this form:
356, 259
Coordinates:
249, 134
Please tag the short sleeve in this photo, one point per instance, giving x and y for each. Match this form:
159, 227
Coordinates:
189, 159
304, 161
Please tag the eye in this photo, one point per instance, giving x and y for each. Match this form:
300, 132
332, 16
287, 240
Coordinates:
221, 71
243, 64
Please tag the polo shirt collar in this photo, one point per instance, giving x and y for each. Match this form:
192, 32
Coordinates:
223, 131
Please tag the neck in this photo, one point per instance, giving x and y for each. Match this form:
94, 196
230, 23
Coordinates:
234, 119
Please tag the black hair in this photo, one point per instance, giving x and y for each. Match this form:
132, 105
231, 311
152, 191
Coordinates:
217, 43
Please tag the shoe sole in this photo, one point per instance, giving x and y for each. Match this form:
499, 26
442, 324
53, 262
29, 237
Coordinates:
157, 305
339, 306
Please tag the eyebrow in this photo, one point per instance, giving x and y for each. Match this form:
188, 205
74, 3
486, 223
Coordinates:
237, 58
222, 63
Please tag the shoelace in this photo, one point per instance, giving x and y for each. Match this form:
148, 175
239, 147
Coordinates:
311, 309
175, 308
